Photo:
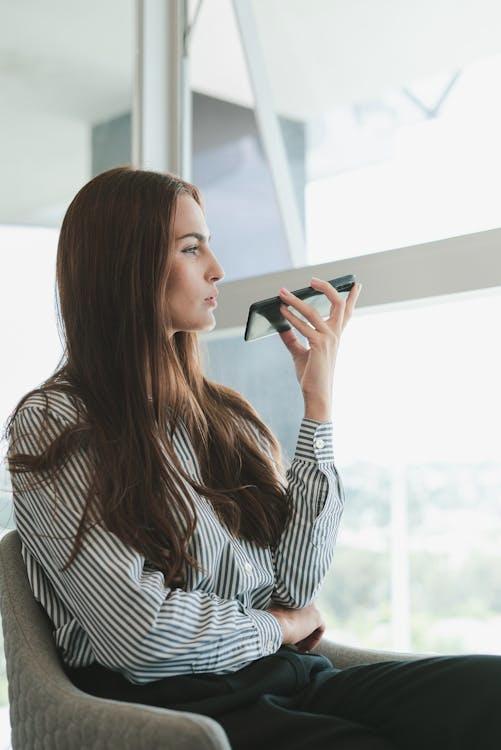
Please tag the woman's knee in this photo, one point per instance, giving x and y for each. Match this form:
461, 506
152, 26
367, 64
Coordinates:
481, 669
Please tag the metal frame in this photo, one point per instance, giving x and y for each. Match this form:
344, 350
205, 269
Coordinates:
161, 107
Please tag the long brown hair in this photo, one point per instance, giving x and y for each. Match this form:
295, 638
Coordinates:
113, 261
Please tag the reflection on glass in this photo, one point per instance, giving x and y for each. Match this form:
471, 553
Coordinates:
408, 166
400, 117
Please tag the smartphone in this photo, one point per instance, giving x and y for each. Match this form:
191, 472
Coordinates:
265, 319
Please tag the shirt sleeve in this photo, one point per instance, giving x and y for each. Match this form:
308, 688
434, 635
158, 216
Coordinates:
306, 547
136, 625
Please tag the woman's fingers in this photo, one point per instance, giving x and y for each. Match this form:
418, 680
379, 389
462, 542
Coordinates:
306, 644
316, 320
341, 309
292, 343
293, 319
351, 301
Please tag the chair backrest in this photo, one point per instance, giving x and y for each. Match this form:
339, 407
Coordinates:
31, 655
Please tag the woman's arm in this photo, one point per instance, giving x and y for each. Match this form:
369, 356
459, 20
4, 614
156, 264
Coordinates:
306, 547
305, 550
135, 624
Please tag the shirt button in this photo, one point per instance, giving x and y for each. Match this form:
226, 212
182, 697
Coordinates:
248, 567
270, 647
319, 443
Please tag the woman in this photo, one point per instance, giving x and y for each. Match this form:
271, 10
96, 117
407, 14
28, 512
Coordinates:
177, 558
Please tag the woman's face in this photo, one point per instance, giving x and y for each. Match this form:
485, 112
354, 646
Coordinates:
194, 272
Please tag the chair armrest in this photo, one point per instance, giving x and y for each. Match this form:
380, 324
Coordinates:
79, 719
350, 656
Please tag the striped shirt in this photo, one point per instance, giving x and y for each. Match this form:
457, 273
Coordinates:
110, 606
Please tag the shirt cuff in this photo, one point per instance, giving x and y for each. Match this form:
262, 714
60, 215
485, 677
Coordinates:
315, 441
269, 630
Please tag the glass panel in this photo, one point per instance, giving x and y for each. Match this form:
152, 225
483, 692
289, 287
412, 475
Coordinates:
416, 423
229, 164
401, 117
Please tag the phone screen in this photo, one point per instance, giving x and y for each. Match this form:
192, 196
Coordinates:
265, 319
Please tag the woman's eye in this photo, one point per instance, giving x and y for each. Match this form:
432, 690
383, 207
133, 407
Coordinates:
189, 249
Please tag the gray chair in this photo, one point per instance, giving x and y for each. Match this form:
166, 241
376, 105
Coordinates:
47, 710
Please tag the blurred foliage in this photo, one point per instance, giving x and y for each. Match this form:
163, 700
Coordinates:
454, 526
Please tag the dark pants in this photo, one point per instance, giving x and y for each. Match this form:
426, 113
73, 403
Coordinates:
295, 701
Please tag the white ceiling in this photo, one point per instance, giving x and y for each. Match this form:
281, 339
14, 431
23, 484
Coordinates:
66, 58
65, 65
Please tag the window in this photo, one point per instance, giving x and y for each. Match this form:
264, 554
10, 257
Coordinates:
416, 415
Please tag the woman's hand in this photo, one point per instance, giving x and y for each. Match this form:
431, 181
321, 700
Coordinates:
308, 643
302, 627
315, 365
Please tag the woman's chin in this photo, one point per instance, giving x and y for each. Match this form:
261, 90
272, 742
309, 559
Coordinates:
206, 325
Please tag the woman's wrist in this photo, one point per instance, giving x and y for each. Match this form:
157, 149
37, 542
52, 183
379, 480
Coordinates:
279, 616
318, 414
318, 410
